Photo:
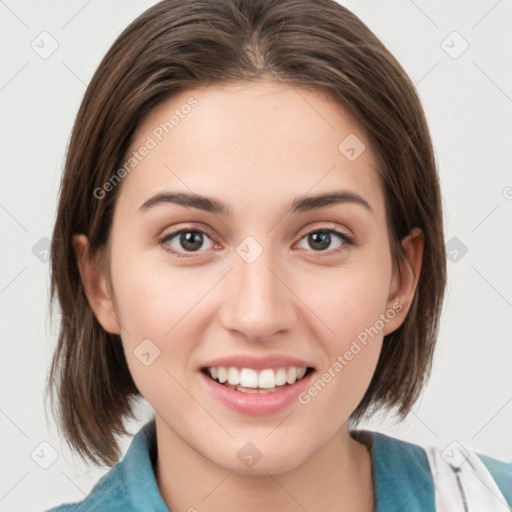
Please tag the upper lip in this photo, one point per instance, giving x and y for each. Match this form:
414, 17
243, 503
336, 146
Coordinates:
257, 363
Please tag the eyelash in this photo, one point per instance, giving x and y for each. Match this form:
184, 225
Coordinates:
163, 241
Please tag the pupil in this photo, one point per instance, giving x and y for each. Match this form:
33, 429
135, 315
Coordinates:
188, 238
324, 237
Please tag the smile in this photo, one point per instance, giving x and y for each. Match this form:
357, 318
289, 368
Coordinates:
249, 380
255, 400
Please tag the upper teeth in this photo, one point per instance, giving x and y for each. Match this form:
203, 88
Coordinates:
250, 378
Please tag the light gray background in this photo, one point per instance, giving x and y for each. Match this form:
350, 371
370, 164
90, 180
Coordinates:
468, 101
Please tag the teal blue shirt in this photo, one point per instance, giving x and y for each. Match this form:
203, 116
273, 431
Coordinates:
403, 481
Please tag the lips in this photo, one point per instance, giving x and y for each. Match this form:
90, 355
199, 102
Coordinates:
255, 400
274, 361
249, 374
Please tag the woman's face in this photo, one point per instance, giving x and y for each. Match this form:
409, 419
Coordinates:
259, 284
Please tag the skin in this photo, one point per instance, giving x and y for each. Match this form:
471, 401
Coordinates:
256, 147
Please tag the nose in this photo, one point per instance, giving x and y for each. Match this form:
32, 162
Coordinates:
258, 302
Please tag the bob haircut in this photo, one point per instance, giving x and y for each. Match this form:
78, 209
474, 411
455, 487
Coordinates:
177, 45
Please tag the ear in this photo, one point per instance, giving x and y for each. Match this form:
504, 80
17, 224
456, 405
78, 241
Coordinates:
95, 285
403, 283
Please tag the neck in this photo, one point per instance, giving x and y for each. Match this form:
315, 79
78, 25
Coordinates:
337, 477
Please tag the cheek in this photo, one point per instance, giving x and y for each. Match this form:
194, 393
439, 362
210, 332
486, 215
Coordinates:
152, 297
156, 304
156, 310
352, 307
157, 301
349, 300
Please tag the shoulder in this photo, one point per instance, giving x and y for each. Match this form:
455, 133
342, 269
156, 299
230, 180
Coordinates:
130, 485
396, 461
402, 476
501, 471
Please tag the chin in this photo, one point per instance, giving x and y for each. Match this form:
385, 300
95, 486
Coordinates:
249, 460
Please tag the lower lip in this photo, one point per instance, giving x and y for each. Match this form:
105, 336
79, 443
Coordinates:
256, 403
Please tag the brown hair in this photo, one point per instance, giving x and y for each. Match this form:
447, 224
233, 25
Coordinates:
178, 45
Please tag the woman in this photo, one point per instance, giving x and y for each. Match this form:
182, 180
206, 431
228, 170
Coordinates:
250, 237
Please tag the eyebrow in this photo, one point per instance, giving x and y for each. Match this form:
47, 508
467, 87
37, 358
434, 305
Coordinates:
298, 205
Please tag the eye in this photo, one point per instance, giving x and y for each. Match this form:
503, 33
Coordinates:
190, 240
187, 239
321, 239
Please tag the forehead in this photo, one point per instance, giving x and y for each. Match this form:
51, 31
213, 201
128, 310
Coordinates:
248, 140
